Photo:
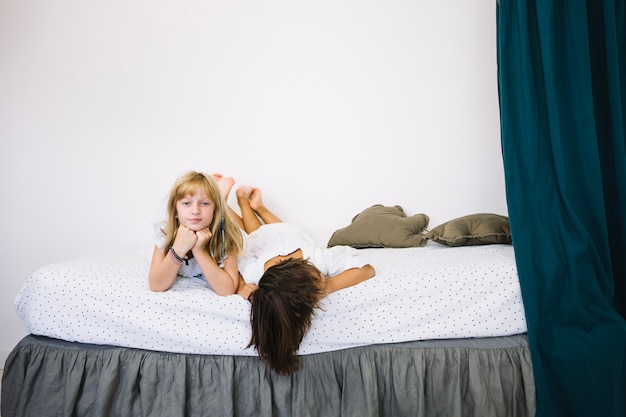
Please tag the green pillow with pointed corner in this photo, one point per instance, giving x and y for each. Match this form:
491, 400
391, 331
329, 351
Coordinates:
473, 229
382, 227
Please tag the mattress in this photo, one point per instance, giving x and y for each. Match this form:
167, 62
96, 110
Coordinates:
432, 292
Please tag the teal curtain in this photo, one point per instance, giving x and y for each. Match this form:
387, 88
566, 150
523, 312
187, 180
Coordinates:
562, 86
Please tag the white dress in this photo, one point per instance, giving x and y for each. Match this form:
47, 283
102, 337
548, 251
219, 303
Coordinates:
280, 239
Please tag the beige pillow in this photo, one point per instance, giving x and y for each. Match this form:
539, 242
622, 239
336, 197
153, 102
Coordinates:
474, 229
382, 227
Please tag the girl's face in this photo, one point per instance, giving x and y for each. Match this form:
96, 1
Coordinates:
195, 211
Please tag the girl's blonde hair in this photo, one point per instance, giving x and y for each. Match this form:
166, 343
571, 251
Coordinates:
190, 183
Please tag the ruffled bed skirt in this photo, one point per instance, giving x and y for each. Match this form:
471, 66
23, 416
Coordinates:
467, 377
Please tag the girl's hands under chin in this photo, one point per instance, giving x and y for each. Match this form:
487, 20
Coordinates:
202, 237
186, 239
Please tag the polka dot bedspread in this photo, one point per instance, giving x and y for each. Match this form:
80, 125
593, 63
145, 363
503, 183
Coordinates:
433, 292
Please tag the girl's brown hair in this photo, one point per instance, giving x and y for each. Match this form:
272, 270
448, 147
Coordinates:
282, 310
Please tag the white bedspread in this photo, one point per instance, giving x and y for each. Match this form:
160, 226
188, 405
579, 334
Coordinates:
434, 292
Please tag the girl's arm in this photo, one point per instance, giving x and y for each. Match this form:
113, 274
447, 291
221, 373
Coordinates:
223, 281
163, 270
348, 278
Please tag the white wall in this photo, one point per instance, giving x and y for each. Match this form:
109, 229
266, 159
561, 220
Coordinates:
329, 106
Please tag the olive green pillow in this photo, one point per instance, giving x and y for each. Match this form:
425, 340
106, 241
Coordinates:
474, 229
382, 227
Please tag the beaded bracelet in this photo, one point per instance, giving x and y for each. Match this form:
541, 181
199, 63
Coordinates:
177, 259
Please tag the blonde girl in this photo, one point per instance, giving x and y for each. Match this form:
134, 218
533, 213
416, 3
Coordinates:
199, 238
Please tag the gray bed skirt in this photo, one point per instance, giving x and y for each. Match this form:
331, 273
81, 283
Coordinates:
448, 378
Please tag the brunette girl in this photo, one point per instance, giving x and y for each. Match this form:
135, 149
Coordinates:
287, 274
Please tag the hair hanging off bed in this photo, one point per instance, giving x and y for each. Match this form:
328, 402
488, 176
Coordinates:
282, 310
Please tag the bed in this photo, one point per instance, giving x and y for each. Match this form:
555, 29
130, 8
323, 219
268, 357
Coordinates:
440, 331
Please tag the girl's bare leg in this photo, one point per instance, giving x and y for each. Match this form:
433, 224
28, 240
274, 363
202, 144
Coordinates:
249, 218
256, 203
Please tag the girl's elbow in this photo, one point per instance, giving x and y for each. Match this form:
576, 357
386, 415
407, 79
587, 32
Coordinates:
158, 288
369, 270
224, 292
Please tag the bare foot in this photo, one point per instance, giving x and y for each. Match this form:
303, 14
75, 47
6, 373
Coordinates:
225, 184
255, 199
244, 192
251, 196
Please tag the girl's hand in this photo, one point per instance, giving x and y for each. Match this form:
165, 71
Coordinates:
202, 238
246, 290
185, 240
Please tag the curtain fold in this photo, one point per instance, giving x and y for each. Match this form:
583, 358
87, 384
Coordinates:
562, 86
